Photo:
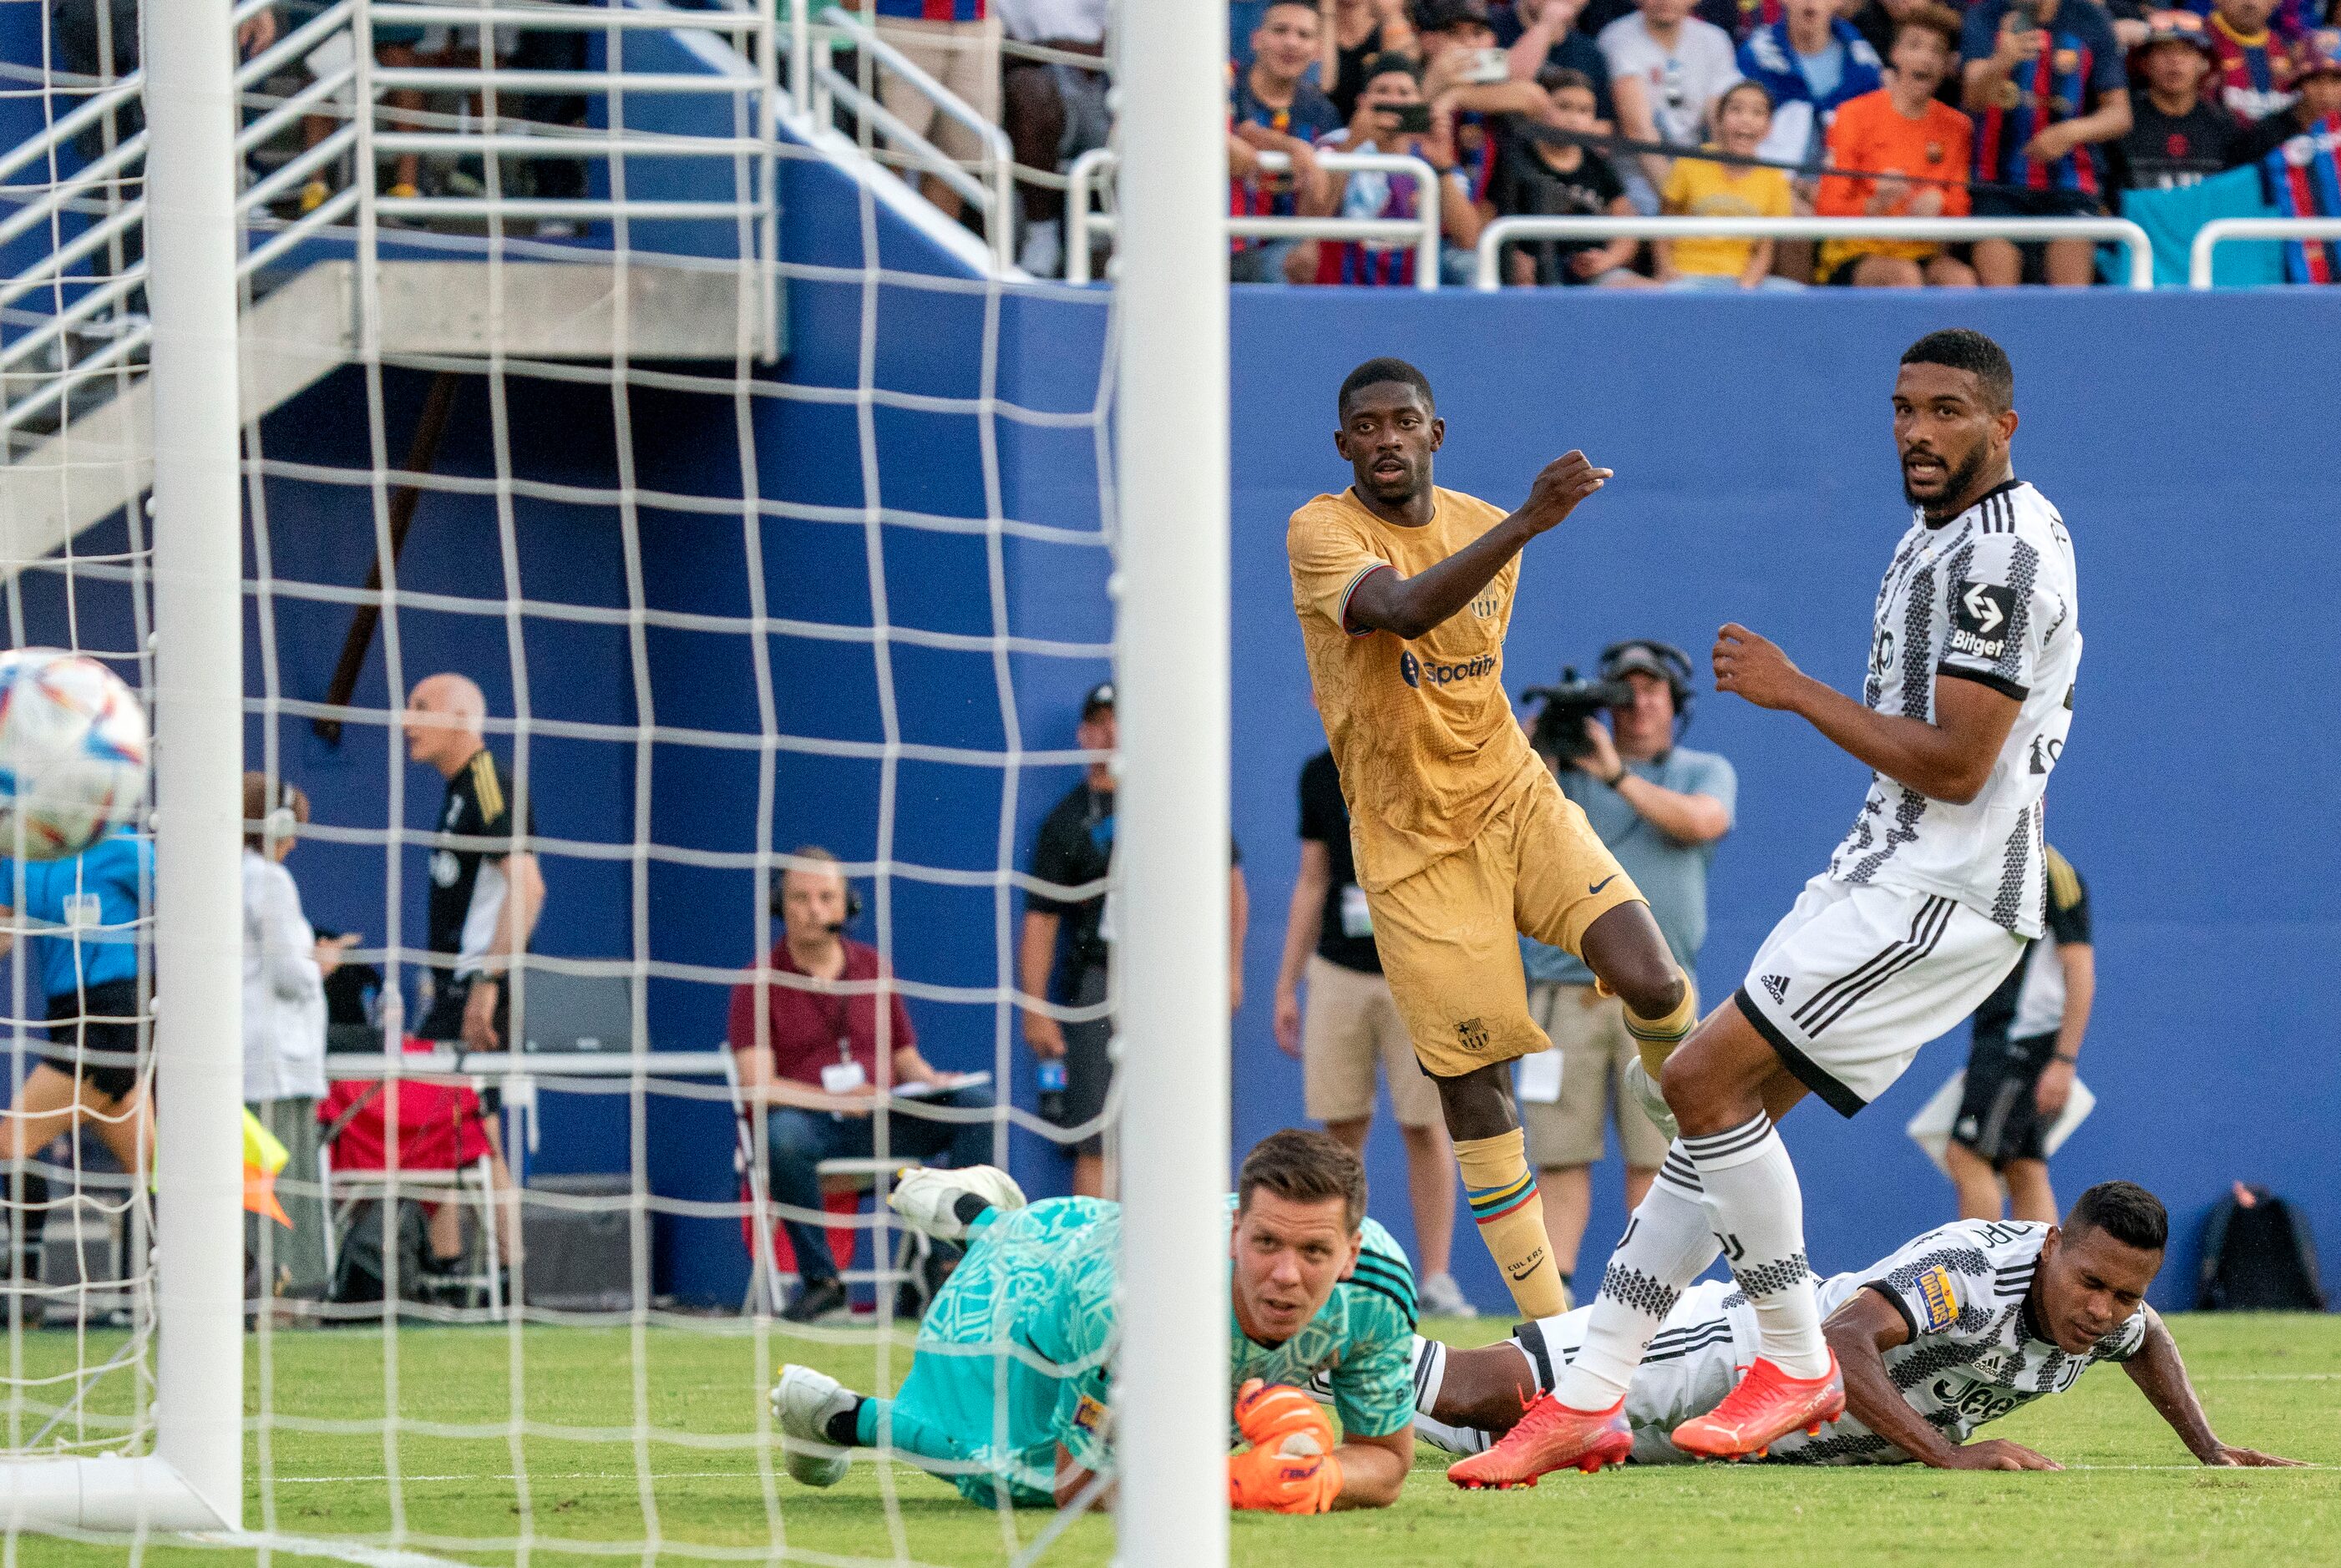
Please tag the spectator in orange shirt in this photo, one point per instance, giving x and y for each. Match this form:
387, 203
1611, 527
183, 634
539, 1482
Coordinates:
1900, 131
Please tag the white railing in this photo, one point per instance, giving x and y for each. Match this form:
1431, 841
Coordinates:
92, 336
1515, 231
1422, 230
993, 194
2220, 230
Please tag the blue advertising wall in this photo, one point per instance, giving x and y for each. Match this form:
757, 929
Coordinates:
1756, 482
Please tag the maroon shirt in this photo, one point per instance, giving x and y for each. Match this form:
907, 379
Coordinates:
806, 1025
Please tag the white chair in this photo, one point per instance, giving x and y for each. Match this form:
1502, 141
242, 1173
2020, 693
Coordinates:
469, 1183
765, 1280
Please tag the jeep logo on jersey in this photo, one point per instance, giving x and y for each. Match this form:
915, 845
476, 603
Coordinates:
1414, 672
1979, 618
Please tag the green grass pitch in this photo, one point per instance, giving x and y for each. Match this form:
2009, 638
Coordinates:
2131, 1496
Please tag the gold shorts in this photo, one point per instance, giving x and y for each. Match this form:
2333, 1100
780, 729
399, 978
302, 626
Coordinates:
1448, 933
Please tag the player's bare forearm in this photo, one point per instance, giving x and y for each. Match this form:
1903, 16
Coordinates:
2160, 1374
1949, 758
1373, 1469
1860, 1333
1408, 607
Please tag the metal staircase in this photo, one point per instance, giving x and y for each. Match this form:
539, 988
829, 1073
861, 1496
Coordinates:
352, 279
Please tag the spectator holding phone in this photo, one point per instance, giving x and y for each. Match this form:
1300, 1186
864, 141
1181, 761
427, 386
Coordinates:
1911, 149
1391, 118
1467, 78
1702, 188
1538, 178
2047, 89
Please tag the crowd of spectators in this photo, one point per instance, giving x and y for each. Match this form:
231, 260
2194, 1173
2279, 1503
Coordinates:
1882, 108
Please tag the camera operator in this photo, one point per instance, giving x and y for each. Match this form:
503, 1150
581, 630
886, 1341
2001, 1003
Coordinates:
1660, 807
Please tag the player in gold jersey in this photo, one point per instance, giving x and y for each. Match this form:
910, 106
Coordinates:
1461, 837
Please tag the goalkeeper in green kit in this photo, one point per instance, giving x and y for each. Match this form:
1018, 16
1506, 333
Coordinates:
1029, 1317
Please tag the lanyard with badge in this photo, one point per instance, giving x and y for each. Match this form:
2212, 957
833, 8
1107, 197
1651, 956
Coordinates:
843, 1076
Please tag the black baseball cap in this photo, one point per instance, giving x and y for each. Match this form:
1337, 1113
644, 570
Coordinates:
1439, 15
1642, 656
1101, 695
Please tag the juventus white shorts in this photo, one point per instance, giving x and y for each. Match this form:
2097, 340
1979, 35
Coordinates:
1854, 980
1697, 1357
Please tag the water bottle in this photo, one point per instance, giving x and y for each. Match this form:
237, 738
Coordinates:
1052, 1079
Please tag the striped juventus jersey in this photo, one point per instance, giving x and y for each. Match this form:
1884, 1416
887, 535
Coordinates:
1973, 1355
1991, 596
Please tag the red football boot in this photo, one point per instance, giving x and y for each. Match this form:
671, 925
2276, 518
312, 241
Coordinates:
1551, 1437
1766, 1406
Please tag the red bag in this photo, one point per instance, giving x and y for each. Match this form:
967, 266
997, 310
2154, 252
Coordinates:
439, 1122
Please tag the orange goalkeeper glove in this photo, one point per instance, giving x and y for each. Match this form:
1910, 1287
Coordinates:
1271, 1483
1269, 1413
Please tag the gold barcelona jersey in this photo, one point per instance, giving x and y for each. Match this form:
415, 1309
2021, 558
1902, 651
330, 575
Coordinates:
1422, 730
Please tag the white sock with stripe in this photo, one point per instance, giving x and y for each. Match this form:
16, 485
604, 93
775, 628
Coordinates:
1758, 1209
1668, 1243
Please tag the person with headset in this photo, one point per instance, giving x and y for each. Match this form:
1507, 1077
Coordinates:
1660, 807
810, 1037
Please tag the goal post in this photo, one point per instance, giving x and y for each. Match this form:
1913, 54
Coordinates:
1171, 844
194, 1477
199, 749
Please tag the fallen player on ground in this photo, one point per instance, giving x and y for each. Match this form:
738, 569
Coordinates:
1960, 1328
1031, 1313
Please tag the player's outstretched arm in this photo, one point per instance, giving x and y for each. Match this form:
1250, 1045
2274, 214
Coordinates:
1951, 759
2161, 1376
1408, 607
1373, 1469
1861, 1331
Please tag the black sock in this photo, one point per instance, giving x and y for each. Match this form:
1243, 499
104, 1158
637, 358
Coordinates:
969, 1207
844, 1428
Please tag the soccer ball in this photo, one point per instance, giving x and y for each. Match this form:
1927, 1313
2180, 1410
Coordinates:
72, 752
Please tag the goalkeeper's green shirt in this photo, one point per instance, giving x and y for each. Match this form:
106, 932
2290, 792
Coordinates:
1045, 1278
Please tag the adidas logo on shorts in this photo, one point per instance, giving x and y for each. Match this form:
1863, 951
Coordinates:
1776, 983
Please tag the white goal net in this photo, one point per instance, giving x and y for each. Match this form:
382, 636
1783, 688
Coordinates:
621, 507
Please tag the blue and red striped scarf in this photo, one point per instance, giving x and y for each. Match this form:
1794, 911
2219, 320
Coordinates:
2306, 180
934, 10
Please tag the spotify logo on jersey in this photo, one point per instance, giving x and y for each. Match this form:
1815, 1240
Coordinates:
1414, 672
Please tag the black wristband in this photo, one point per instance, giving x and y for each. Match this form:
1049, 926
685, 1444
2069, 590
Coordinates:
2068, 1061
1618, 777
